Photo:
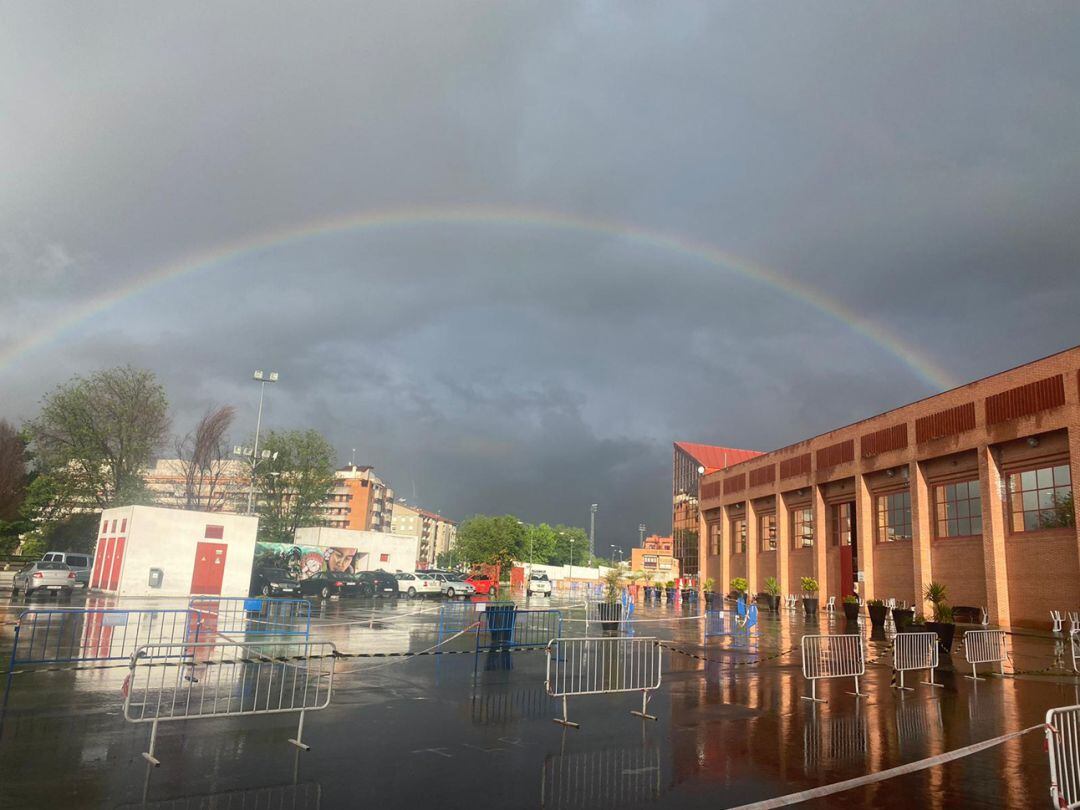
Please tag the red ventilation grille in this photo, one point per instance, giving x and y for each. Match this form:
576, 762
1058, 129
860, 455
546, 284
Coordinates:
884, 440
948, 422
799, 465
763, 475
710, 490
1041, 395
737, 483
835, 454
214, 532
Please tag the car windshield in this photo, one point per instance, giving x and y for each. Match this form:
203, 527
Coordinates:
456, 577
276, 573
76, 559
540, 577
51, 566
404, 577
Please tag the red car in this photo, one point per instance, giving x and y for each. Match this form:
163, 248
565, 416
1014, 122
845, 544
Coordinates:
485, 586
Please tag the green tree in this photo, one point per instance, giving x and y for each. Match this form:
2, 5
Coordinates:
489, 539
95, 435
539, 542
561, 554
291, 486
14, 480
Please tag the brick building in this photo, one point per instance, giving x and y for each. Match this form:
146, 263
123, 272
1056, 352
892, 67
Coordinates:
360, 501
974, 487
655, 558
434, 532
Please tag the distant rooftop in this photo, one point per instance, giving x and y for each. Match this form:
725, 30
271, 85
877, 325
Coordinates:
714, 458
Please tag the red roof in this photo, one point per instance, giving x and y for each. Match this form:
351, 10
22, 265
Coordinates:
714, 458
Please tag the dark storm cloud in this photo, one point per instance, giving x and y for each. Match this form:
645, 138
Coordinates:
917, 164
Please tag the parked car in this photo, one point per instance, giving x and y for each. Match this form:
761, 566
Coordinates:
324, 585
81, 564
538, 583
454, 585
50, 577
485, 585
369, 583
421, 583
273, 582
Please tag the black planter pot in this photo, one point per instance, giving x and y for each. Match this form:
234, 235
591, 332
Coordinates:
710, 599
774, 602
687, 594
945, 632
670, 593
902, 618
851, 611
610, 613
810, 605
763, 601
877, 614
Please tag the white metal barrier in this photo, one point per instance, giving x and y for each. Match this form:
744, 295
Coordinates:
915, 651
1074, 621
602, 666
1055, 617
1063, 749
984, 647
195, 681
836, 656
1074, 644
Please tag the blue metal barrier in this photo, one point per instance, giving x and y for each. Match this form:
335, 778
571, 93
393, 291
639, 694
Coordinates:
456, 617
725, 623
253, 616
512, 628
97, 634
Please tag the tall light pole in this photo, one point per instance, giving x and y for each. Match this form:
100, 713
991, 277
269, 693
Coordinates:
641, 534
571, 562
592, 530
614, 548
262, 379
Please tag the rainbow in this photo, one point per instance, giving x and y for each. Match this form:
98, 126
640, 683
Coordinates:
486, 215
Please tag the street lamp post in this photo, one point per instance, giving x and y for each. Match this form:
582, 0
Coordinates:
571, 562
613, 549
592, 529
641, 534
262, 379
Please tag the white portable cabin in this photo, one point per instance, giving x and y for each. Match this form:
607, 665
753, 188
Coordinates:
150, 551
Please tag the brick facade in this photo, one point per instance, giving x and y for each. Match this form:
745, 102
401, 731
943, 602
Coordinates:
897, 473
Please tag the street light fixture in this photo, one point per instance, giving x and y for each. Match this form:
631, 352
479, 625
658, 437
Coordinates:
592, 529
571, 562
262, 379
641, 534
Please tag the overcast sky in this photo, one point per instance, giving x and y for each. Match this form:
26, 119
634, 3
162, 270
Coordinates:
916, 164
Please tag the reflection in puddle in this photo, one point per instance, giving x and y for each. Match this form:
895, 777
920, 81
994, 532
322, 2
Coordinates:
834, 739
307, 796
614, 777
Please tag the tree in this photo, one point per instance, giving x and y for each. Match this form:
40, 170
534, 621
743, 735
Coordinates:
94, 436
204, 461
14, 479
291, 486
539, 542
563, 551
490, 540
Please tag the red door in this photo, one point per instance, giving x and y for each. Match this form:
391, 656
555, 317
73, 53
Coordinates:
209, 568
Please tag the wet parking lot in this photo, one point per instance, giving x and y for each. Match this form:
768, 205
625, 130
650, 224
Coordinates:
457, 730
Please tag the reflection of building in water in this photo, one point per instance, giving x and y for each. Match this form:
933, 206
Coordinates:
614, 777
307, 796
498, 706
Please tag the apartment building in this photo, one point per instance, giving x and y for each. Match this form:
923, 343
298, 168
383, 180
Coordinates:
360, 501
434, 532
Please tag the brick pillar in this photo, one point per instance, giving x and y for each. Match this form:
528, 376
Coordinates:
993, 535
703, 550
821, 541
1074, 472
752, 542
922, 527
865, 522
783, 542
725, 549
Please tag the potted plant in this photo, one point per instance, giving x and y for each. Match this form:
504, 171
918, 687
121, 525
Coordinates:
650, 591
877, 610
772, 589
942, 624
810, 597
902, 618
851, 608
669, 590
916, 624
709, 595
610, 610
739, 586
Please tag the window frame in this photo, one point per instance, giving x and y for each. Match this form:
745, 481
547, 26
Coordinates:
834, 524
764, 536
941, 503
797, 538
738, 536
882, 516
715, 540
1044, 465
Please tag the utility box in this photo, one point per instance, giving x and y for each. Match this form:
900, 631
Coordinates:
202, 552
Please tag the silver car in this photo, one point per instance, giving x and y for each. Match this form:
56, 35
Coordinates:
45, 577
80, 563
453, 585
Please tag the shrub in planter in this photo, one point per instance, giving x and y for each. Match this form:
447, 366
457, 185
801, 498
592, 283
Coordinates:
851, 608
943, 616
902, 618
772, 588
877, 610
709, 595
810, 595
739, 587
610, 610
669, 590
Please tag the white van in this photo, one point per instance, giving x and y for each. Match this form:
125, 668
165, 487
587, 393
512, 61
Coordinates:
81, 564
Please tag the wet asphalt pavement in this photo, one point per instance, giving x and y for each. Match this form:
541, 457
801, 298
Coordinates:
430, 732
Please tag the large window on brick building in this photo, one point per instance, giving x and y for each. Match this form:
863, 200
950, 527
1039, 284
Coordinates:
714, 539
894, 517
958, 509
767, 528
738, 536
1041, 499
802, 527
841, 524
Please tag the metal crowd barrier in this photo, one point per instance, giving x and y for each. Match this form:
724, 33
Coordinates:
838, 656
914, 651
984, 647
602, 666
1074, 644
254, 616
96, 634
609, 778
1063, 749
456, 617
227, 680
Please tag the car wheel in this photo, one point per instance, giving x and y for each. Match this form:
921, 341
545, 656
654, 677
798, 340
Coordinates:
325, 592
450, 593
412, 593
265, 590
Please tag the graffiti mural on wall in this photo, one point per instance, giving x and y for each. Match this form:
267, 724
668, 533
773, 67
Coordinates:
305, 562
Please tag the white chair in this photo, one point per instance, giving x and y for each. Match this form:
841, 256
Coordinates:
1055, 615
830, 605
890, 603
985, 618
1074, 621
790, 601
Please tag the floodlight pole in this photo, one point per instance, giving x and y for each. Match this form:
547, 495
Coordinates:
263, 380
